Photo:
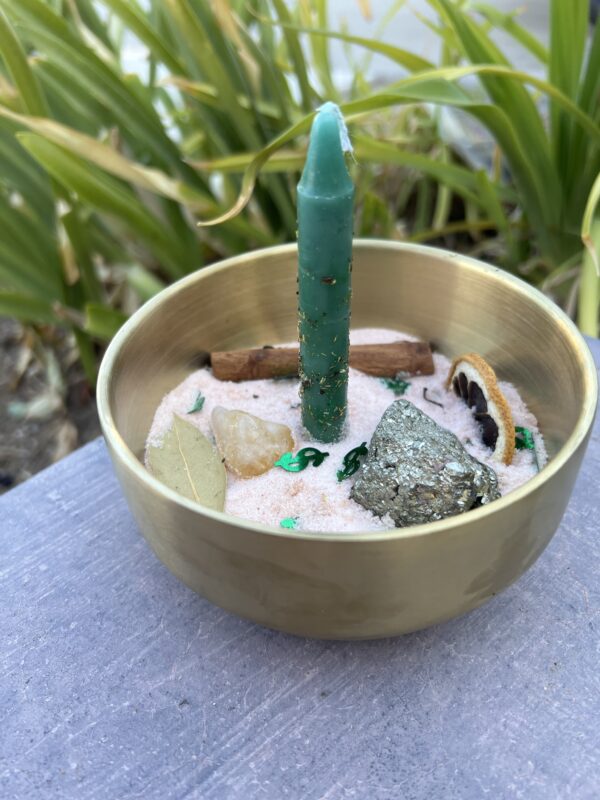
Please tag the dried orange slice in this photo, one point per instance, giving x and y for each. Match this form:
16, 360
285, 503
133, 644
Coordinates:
475, 381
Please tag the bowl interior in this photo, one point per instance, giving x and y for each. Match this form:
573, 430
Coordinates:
454, 302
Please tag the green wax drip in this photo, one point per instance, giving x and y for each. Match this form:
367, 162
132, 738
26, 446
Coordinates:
325, 212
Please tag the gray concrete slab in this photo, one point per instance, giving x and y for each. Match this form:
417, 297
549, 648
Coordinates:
117, 682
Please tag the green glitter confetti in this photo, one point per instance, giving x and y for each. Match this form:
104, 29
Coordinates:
352, 461
302, 460
524, 439
397, 385
289, 463
198, 404
289, 522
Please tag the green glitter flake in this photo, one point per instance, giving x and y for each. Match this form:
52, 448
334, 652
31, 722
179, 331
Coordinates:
397, 385
302, 460
289, 522
198, 404
352, 461
524, 439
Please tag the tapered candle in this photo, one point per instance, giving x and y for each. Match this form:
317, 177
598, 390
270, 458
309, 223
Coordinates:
325, 212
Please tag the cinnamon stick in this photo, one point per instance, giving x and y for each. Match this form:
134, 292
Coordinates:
380, 360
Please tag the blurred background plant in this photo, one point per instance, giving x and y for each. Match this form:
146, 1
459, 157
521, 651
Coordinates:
105, 171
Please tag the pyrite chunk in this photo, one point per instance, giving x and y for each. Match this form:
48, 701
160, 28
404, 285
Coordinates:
417, 471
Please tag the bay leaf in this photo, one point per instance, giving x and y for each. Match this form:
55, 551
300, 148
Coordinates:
189, 463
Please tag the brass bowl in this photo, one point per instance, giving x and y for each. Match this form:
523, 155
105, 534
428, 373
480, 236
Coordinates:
350, 585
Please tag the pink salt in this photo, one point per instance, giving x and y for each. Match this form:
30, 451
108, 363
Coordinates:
314, 496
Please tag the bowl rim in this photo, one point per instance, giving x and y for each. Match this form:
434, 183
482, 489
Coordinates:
580, 431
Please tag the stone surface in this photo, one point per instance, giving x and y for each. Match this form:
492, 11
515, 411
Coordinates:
116, 681
250, 445
417, 471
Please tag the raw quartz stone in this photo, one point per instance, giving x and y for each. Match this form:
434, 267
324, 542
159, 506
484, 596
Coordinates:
250, 445
417, 472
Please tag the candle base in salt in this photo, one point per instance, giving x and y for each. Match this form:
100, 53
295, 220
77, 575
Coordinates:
314, 498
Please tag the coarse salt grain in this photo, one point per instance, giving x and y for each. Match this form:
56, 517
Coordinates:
315, 496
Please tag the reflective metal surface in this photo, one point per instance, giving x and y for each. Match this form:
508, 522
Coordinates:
352, 585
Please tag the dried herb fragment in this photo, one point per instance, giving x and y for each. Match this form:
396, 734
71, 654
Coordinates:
198, 404
429, 399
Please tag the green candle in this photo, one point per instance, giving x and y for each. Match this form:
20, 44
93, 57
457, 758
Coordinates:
325, 206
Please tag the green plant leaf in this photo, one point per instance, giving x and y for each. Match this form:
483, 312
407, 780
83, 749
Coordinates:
203, 53
514, 101
469, 226
27, 309
28, 242
489, 200
460, 179
147, 178
273, 80
583, 157
296, 54
94, 24
53, 35
443, 200
209, 95
102, 322
588, 305
281, 161
438, 86
107, 195
18, 66
22, 174
315, 13
110, 160
253, 168
78, 239
87, 354
591, 242
137, 22
507, 22
403, 58
568, 38
142, 281
69, 102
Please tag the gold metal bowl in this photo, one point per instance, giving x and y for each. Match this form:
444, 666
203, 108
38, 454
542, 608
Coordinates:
349, 585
